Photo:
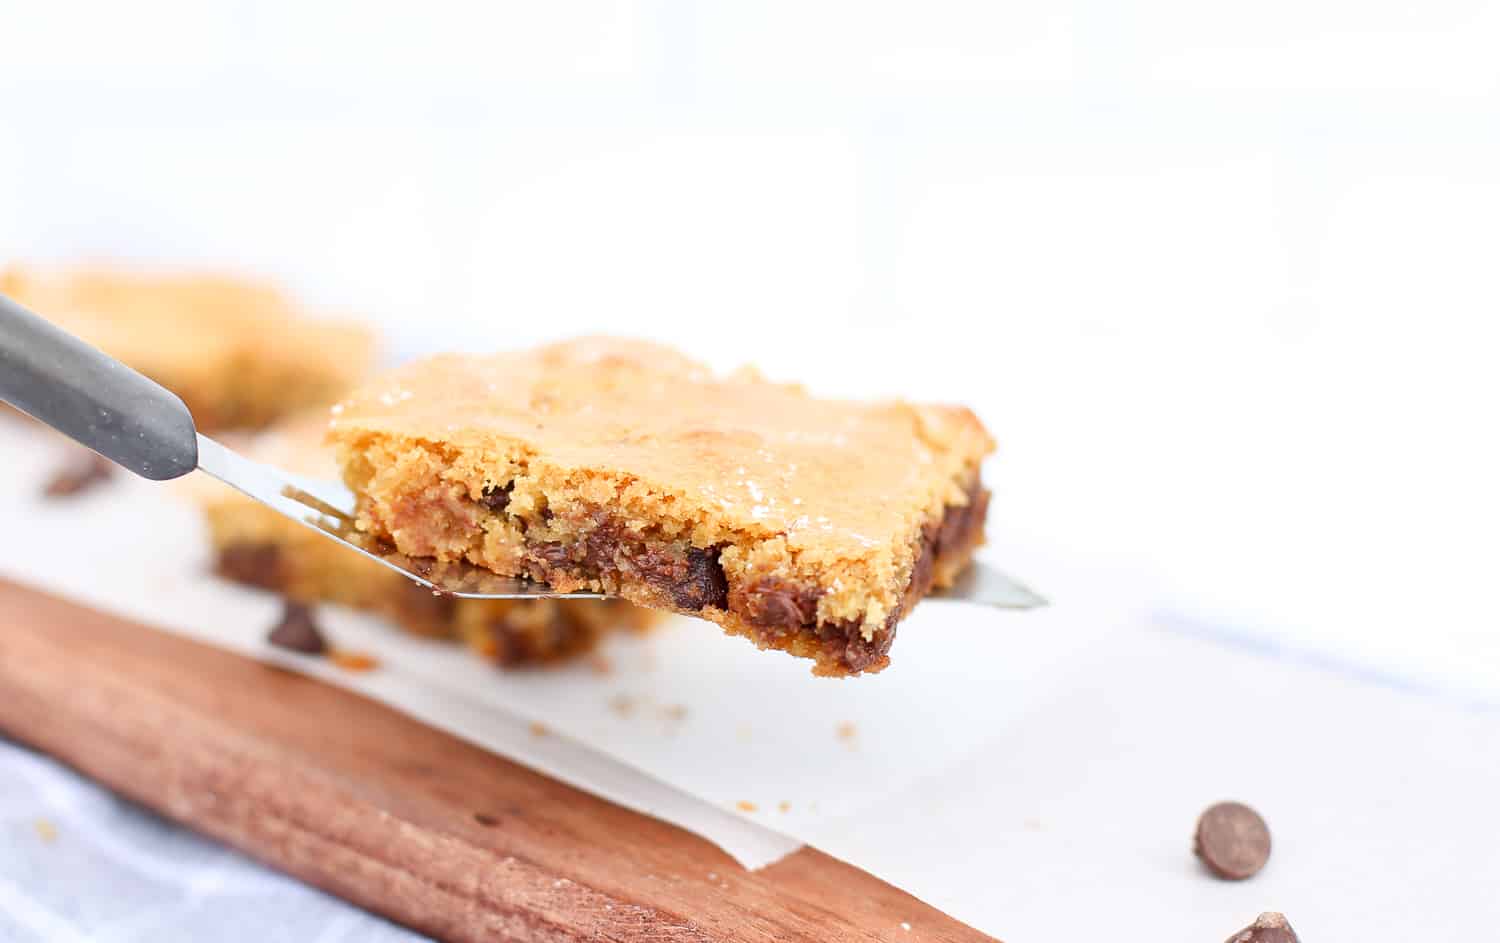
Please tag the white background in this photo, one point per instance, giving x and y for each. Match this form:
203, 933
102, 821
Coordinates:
1222, 279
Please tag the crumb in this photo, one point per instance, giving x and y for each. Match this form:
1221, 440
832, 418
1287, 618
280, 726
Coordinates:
745, 805
906, 926
784, 806
675, 712
846, 732
45, 830
601, 665
539, 729
488, 821
355, 661
622, 704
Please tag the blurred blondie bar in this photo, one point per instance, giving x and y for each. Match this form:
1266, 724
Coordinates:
256, 546
238, 352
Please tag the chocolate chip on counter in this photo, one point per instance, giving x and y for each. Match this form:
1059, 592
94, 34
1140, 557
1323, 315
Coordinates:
1268, 928
82, 472
297, 631
1232, 841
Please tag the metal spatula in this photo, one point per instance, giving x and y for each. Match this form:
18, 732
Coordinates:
130, 420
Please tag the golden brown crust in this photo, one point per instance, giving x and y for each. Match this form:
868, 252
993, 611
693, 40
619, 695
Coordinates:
625, 467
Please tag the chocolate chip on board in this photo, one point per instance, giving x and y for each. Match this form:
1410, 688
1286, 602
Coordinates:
1232, 841
297, 631
1269, 927
82, 471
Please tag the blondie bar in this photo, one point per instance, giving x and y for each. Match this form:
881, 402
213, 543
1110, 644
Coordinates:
256, 546
807, 525
239, 353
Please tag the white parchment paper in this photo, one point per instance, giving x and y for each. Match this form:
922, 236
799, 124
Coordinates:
1042, 786
742, 747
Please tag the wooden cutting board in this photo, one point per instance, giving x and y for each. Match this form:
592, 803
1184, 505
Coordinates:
409, 822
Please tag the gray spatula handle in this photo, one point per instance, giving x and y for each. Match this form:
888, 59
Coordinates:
93, 398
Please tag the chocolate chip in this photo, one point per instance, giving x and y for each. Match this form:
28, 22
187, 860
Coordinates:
778, 604
82, 472
1232, 841
690, 576
254, 564
704, 584
859, 653
297, 631
496, 499
776, 608
552, 554
1267, 928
